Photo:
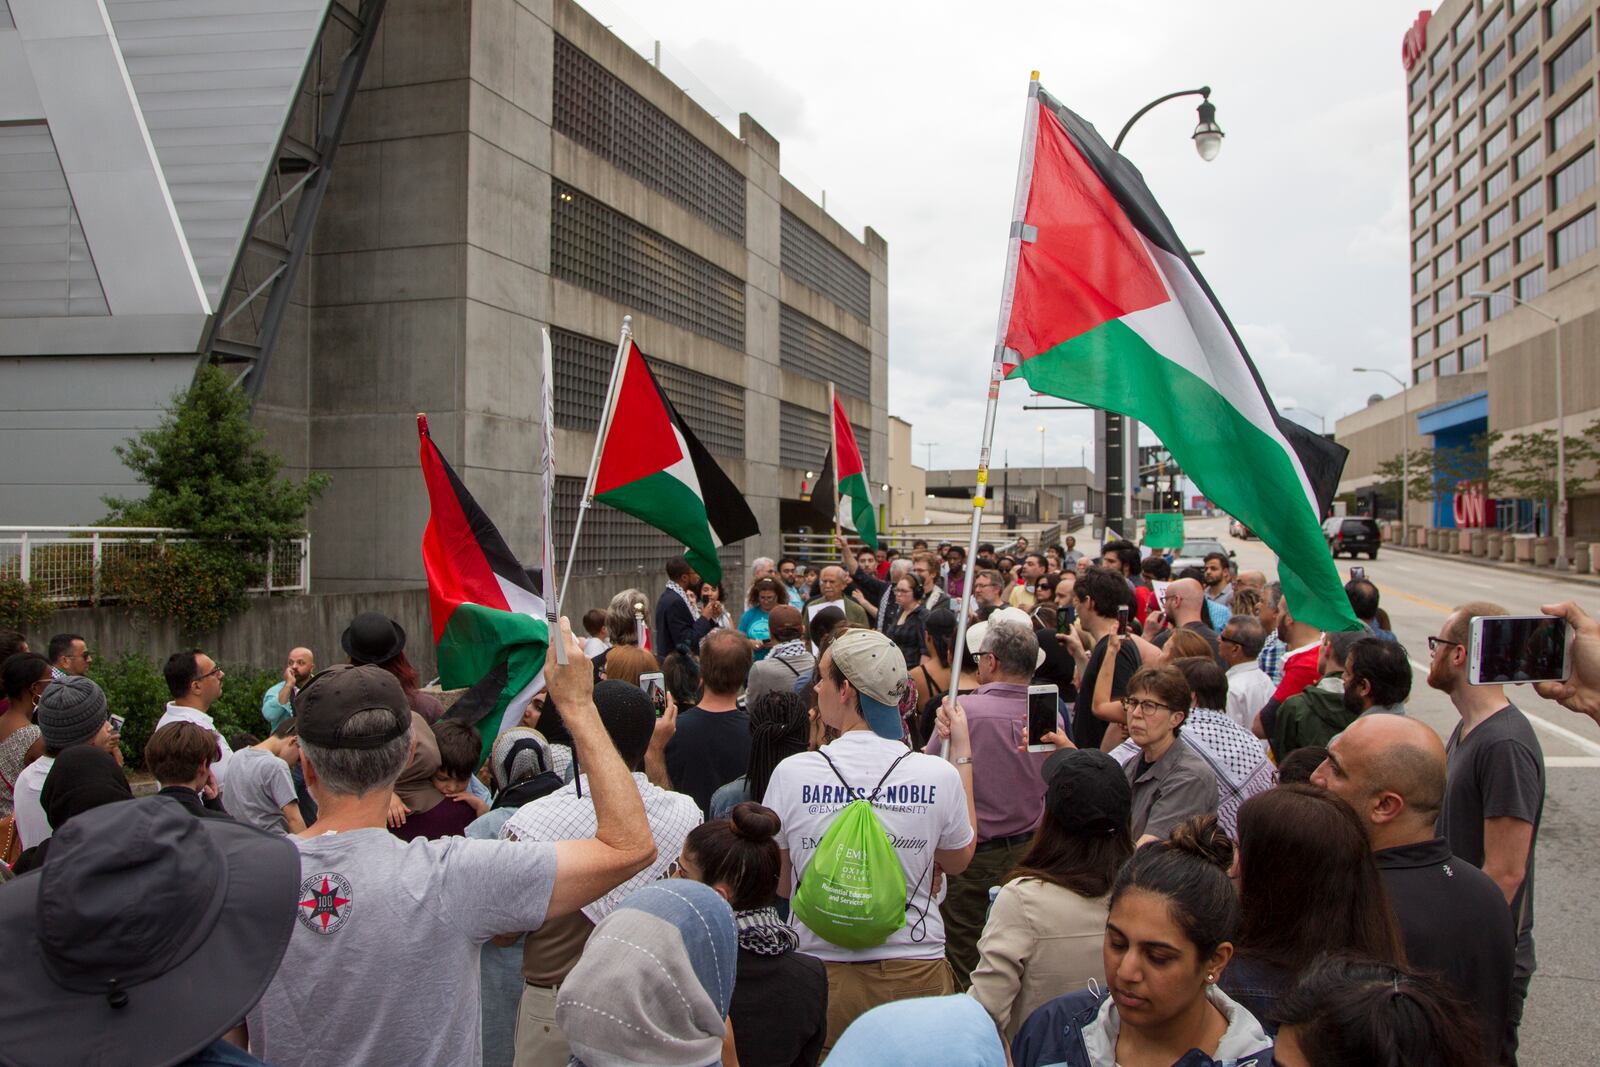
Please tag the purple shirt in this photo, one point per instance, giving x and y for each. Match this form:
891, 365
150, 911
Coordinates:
1006, 786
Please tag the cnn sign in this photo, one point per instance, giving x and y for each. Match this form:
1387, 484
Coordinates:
1415, 43
1473, 509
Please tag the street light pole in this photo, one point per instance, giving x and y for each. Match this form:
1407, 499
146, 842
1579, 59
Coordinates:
1405, 450
1561, 422
1322, 421
1041, 472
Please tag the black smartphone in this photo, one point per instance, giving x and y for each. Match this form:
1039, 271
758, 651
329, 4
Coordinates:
1122, 620
1043, 711
655, 687
1508, 649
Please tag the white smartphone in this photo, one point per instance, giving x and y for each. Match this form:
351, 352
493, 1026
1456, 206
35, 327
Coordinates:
1044, 712
655, 686
1357, 573
1510, 649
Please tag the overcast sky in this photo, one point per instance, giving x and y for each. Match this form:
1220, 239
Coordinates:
911, 117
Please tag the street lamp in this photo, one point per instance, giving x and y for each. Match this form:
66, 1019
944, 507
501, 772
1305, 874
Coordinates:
1041, 472
1561, 421
1322, 422
1405, 450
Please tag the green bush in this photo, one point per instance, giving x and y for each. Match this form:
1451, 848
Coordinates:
22, 607
136, 690
199, 584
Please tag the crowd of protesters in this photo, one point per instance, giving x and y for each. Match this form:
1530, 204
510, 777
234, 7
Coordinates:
816, 838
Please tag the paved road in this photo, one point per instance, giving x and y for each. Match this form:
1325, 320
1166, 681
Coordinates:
1419, 592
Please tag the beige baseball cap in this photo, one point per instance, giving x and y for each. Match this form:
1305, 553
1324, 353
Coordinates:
874, 665
1008, 615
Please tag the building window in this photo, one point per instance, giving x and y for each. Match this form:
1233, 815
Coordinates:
596, 109
1441, 129
1574, 240
1445, 332
1560, 12
1521, 37
1527, 161
1527, 117
1496, 145
812, 259
1467, 171
1439, 95
1472, 316
1531, 284
1530, 201
1525, 78
1442, 195
1468, 208
1495, 66
1470, 242
1495, 106
1414, 93
1466, 97
1421, 246
606, 252
1424, 373
1419, 214
1571, 59
1499, 304
1419, 151
1443, 228
1422, 344
1498, 263
1497, 224
1572, 119
1442, 158
1419, 119
1530, 242
1445, 365
1444, 262
1442, 299
807, 347
1462, 30
1472, 354
1497, 184
1571, 180
1494, 28
1421, 277
1470, 281
1419, 182
1421, 312
1467, 134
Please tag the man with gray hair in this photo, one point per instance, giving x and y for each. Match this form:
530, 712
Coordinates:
832, 582
414, 915
1006, 781
1316, 714
762, 567
1269, 613
1249, 688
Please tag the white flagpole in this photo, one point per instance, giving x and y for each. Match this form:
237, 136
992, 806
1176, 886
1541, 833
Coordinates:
833, 450
599, 443
547, 467
1019, 210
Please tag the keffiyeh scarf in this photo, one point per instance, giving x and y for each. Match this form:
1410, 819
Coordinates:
761, 931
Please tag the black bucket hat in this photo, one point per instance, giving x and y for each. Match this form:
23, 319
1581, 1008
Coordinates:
373, 637
147, 935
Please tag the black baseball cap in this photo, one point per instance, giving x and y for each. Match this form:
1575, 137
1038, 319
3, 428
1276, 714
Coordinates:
331, 697
1086, 791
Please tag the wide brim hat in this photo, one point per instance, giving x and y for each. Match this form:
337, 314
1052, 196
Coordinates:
231, 944
373, 637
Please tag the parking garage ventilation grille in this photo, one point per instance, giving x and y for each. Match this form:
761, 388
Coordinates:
803, 438
814, 261
808, 348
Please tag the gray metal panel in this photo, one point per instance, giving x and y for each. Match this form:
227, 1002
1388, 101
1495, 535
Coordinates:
45, 268
215, 80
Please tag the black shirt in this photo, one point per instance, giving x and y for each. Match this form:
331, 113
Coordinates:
1456, 925
1088, 730
709, 750
1057, 668
779, 1009
192, 803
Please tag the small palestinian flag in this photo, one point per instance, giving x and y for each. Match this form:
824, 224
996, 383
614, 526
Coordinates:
653, 468
1108, 309
486, 613
852, 474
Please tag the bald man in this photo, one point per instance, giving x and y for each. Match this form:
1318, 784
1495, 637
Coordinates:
1453, 917
1185, 605
1250, 580
276, 702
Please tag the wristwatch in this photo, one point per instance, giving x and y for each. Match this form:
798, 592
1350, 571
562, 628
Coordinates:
959, 760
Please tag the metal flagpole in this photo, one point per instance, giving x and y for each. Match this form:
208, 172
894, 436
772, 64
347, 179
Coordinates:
833, 451
1019, 210
547, 467
599, 443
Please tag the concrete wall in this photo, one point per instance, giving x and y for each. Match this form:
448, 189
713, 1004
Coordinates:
908, 484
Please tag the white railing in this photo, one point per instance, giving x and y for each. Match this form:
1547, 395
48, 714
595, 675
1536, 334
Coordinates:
816, 548
66, 563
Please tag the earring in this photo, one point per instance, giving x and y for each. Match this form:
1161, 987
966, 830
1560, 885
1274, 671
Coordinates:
1211, 978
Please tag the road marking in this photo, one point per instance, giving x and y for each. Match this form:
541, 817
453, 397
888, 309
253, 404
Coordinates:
1398, 567
1572, 761
1423, 667
1431, 605
1570, 736
1480, 585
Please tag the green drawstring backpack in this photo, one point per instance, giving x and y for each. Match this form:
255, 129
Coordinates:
853, 893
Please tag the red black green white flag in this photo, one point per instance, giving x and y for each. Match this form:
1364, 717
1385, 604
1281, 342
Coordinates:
1107, 308
654, 468
852, 475
485, 610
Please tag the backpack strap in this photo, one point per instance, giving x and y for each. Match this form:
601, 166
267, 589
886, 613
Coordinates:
792, 670
879, 787
835, 771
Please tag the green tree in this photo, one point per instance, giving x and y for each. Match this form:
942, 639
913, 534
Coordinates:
208, 472
1392, 470
1525, 465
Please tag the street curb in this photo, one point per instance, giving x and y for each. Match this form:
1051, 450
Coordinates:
1496, 565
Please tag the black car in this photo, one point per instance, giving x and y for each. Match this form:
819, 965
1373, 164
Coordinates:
1352, 535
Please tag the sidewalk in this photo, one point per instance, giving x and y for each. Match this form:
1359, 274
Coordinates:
1511, 568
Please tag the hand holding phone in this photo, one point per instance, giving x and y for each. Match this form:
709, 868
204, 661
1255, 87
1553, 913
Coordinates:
1122, 619
1512, 649
1043, 713
655, 686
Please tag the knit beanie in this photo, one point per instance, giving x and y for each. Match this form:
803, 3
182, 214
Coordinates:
654, 982
70, 712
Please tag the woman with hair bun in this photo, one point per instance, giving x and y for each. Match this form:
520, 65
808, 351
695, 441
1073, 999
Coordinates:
780, 996
1169, 936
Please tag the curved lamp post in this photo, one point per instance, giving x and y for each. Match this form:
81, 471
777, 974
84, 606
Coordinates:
1405, 449
1207, 135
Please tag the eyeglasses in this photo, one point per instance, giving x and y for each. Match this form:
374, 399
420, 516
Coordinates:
1435, 642
208, 674
1143, 707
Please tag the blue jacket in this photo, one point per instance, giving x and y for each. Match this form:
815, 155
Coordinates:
1080, 1030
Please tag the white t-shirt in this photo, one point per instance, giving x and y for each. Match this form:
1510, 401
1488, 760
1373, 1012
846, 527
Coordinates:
922, 807
1249, 689
382, 967
175, 713
32, 826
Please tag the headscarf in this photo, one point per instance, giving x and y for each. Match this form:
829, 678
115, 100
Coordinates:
83, 777
655, 980
557, 758
415, 785
954, 1031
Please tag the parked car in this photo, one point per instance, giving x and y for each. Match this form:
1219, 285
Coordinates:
1352, 535
1239, 531
1194, 552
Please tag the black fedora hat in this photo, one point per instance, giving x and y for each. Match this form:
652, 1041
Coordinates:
373, 637
147, 935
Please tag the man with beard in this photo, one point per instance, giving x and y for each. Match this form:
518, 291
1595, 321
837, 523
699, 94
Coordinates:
789, 575
1219, 580
276, 702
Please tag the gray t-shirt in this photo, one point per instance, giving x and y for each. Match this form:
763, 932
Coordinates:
259, 785
382, 967
1496, 770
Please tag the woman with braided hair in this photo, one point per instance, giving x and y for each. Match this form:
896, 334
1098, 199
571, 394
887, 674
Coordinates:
779, 728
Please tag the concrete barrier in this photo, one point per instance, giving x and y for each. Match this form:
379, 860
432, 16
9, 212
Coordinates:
1479, 543
1492, 542
1508, 549
1543, 552
1580, 556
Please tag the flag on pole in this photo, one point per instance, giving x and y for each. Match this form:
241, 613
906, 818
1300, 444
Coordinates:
547, 471
825, 494
1107, 308
653, 467
485, 611
852, 475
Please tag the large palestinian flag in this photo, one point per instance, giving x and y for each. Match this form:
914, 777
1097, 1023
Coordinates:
853, 477
653, 468
1108, 309
486, 614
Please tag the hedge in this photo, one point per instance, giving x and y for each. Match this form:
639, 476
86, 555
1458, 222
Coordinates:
135, 690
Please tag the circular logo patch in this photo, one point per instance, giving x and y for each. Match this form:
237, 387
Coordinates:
325, 902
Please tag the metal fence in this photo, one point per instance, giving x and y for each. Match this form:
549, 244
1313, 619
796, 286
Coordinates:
818, 548
66, 563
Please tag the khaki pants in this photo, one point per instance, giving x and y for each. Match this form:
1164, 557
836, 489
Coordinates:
539, 1042
855, 988
966, 904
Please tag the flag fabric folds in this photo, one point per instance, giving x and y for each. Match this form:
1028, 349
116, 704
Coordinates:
1108, 309
654, 468
852, 475
486, 613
